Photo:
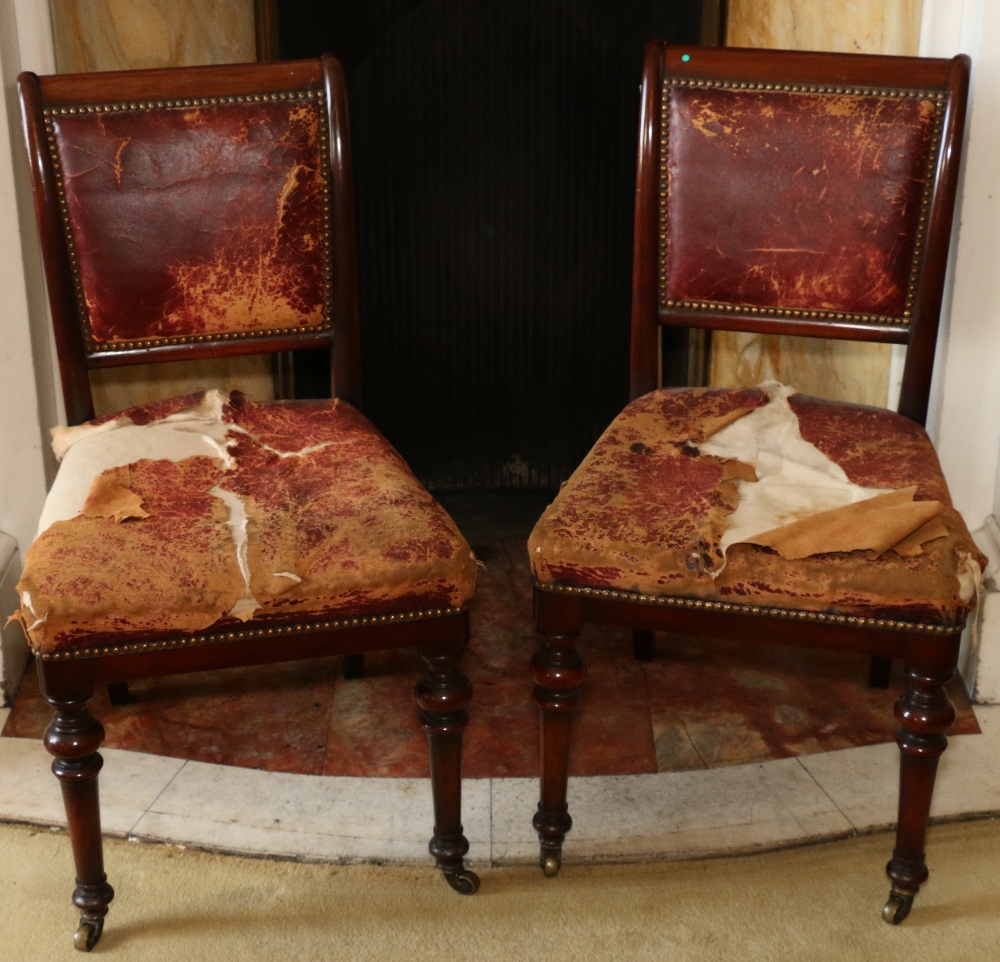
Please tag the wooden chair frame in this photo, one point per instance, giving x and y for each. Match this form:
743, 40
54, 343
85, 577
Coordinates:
68, 679
929, 653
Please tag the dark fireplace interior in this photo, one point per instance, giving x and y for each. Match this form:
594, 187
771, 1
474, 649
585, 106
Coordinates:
494, 154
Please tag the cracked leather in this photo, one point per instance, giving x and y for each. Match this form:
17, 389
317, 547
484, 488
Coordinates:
327, 500
164, 213
645, 512
846, 173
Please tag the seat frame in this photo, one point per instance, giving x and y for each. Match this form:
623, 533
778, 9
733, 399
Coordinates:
929, 653
68, 678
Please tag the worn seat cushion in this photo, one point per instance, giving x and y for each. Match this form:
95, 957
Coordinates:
665, 504
210, 510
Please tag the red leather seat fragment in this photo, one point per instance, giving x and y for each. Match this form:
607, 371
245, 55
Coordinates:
309, 513
646, 512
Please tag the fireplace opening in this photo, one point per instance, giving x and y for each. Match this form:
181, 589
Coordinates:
494, 146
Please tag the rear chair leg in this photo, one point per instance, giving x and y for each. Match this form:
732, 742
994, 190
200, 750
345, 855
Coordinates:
643, 644
879, 671
353, 665
73, 738
118, 693
443, 693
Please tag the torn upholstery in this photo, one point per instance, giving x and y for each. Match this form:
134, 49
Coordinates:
212, 510
763, 497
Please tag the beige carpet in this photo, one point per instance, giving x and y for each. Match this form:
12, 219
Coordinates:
816, 903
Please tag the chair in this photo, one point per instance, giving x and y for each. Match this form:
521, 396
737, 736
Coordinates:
191, 214
777, 193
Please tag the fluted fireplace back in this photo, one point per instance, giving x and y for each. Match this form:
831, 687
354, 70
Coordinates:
494, 146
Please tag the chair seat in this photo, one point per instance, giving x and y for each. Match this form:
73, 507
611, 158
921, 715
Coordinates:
208, 510
666, 504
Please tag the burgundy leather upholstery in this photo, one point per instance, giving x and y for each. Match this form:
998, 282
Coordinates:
166, 209
846, 172
646, 510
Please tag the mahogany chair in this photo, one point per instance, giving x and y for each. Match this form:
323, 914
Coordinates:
777, 193
190, 214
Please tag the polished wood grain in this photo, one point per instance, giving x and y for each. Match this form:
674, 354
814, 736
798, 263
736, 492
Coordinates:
68, 677
571, 593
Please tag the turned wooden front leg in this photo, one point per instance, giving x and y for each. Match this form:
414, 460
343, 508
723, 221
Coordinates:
73, 738
925, 713
443, 693
558, 672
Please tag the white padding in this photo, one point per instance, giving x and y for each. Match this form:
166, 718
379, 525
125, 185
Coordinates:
795, 480
89, 450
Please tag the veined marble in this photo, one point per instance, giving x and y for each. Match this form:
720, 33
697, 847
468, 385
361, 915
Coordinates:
133, 34
848, 26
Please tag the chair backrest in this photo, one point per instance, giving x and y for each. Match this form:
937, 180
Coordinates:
188, 213
796, 193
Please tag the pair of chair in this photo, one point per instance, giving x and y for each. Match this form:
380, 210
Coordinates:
194, 213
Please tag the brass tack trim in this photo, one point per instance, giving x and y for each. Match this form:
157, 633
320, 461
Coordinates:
721, 307
169, 103
726, 607
285, 96
248, 634
214, 338
855, 90
903, 322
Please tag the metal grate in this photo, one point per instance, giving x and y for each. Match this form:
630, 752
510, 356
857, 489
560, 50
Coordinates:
494, 149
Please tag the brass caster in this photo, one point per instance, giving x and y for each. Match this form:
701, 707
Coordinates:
897, 908
88, 934
551, 864
465, 882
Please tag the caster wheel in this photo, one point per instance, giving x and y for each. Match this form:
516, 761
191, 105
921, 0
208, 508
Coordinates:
88, 934
551, 864
464, 882
897, 908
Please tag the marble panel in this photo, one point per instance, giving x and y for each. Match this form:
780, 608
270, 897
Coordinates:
374, 726
837, 370
612, 732
847, 26
715, 702
118, 388
968, 775
213, 716
129, 783
134, 34
677, 815
335, 819
863, 782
